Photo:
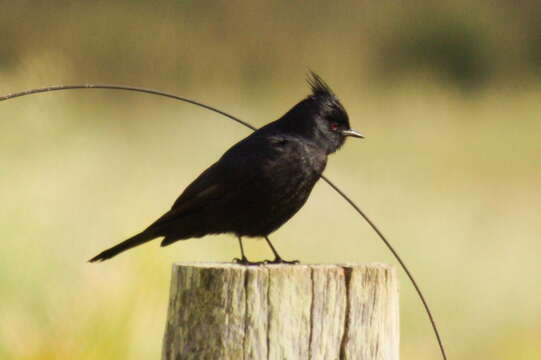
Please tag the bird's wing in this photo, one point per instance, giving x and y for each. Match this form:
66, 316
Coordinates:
224, 178
240, 165
211, 185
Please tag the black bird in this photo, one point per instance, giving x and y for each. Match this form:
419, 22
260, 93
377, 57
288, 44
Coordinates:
260, 182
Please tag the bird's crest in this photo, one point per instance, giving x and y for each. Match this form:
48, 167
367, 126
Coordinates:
319, 87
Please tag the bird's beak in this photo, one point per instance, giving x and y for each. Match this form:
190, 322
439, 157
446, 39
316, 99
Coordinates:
351, 132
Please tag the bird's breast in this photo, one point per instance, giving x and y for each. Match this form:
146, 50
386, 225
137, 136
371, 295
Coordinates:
284, 173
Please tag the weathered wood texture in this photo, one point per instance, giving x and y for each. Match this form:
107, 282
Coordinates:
276, 312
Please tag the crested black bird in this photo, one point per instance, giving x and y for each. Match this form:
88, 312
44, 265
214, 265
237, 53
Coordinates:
260, 182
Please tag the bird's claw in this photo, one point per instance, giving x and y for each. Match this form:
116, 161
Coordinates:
279, 260
244, 261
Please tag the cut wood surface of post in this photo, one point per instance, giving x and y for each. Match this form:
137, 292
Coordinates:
282, 312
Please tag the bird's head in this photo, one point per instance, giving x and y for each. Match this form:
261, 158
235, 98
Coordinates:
320, 117
330, 119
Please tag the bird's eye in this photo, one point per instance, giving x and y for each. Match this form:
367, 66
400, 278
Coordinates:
334, 126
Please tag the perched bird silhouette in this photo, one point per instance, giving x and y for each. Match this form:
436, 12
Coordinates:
260, 182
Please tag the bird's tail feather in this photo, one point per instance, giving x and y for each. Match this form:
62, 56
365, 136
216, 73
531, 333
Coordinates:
136, 240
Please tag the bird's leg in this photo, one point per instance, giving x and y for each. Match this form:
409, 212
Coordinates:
243, 259
277, 258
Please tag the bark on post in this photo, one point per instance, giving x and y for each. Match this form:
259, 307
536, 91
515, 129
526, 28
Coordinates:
293, 312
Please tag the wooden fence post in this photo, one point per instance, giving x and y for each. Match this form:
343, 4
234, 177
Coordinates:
276, 312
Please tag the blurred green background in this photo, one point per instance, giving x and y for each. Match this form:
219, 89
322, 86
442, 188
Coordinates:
447, 93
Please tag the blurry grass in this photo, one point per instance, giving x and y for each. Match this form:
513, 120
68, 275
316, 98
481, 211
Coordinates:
453, 181
184, 44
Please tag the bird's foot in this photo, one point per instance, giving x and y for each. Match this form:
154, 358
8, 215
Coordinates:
279, 260
244, 261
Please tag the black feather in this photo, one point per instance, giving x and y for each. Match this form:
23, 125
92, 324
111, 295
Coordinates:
318, 86
260, 182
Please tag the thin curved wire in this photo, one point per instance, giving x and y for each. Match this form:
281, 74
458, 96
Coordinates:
331, 184
122, 87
